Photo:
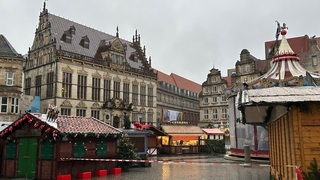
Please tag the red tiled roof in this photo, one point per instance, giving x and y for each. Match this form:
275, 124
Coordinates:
178, 81
186, 84
165, 78
213, 131
78, 124
228, 79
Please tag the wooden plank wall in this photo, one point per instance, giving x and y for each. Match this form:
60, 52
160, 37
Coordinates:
280, 148
310, 134
294, 140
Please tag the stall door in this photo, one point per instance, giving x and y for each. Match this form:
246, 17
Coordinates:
27, 158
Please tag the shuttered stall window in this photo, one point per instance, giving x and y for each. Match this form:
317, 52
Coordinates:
47, 150
101, 149
11, 150
78, 149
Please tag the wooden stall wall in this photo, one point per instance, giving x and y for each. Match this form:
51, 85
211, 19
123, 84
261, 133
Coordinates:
309, 134
294, 140
76, 166
281, 148
46, 165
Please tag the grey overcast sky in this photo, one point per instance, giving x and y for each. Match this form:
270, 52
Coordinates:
185, 37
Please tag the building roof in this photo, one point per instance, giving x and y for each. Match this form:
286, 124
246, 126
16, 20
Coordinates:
228, 80
175, 130
79, 124
213, 131
135, 132
63, 124
96, 38
280, 95
178, 81
186, 84
6, 49
162, 77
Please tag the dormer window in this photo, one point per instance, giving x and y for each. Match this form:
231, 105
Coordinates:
85, 42
66, 37
117, 58
72, 30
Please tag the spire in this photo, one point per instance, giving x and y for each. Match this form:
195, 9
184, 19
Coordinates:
150, 61
136, 35
44, 10
117, 34
44, 6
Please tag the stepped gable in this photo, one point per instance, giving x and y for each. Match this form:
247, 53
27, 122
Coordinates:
6, 49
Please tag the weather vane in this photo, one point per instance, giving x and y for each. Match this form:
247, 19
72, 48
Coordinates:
279, 28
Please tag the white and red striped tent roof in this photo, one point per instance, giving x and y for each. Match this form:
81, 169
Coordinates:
285, 64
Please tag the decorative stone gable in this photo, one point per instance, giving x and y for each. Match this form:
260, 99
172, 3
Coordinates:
67, 69
117, 46
66, 103
81, 104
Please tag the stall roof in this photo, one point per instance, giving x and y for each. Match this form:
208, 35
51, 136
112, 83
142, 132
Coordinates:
135, 132
281, 95
156, 131
78, 124
176, 130
213, 131
62, 124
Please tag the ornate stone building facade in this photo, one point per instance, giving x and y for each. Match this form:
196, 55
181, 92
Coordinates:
213, 101
248, 68
79, 69
177, 99
11, 73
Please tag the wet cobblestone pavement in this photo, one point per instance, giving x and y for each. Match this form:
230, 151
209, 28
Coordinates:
196, 168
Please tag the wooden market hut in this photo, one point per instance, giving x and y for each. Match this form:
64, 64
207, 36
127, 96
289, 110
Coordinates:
154, 140
146, 138
293, 118
139, 138
44, 147
213, 133
181, 139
